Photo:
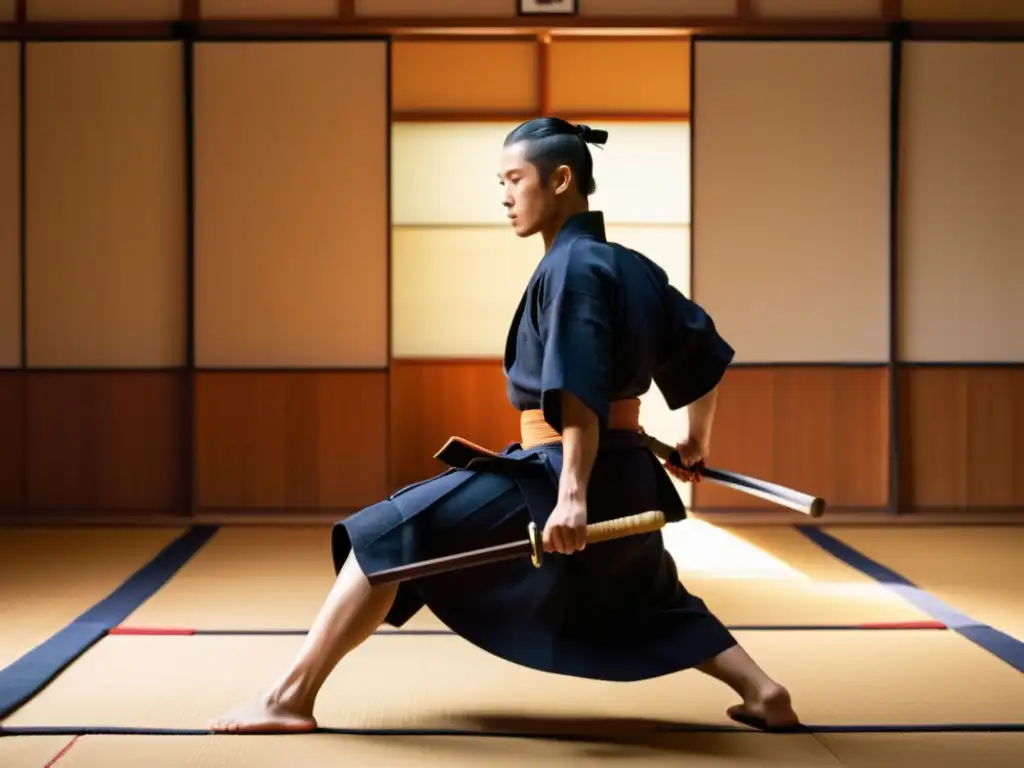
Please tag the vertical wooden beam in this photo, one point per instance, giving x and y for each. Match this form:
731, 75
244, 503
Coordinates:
895, 100
191, 13
892, 10
346, 9
544, 73
21, 11
190, 10
745, 10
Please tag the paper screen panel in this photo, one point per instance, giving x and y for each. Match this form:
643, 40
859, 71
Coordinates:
657, 8
426, 8
791, 219
455, 289
643, 173
276, 9
10, 207
105, 205
962, 255
111, 10
446, 173
816, 9
291, 204
620, 76
430, 75
963, 10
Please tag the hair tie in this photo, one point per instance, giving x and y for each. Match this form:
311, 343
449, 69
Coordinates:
590, 135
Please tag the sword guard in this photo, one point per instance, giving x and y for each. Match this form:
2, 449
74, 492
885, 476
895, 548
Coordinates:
536, 545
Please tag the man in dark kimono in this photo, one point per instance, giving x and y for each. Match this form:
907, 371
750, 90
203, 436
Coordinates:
596, 326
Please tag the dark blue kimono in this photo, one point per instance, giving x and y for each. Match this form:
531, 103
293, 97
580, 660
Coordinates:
602, 322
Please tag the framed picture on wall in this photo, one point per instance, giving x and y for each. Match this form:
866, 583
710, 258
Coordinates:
547, 7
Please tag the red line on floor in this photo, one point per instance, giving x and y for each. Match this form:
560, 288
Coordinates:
927, 624
151, 631
64, 751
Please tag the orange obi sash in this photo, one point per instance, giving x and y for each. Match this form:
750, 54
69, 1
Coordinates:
623, 415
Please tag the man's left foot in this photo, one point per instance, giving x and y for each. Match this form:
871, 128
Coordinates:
264, 716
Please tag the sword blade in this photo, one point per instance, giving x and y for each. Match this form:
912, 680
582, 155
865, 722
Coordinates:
438, 565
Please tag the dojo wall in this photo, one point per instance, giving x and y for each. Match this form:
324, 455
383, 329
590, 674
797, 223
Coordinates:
319, 351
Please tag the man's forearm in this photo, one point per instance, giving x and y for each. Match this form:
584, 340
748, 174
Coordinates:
702, 415
580, 437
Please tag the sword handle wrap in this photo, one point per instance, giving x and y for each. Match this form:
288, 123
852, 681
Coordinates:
620, 527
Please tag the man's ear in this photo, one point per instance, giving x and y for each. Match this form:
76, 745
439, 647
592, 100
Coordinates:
561, 179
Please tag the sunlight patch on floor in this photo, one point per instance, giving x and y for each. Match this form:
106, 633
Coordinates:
701, 548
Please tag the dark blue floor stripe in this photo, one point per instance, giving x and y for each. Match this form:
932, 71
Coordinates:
999, 644
87, 730
26, 677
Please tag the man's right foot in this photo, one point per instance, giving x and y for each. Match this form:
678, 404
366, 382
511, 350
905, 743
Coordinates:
771, 710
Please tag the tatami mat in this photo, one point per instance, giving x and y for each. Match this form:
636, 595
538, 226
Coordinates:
976, 570
49, 576
927, 750
443, 682
697, 750
30, 751
271, 578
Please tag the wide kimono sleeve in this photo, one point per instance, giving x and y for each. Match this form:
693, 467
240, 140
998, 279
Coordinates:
575, 324
695, 356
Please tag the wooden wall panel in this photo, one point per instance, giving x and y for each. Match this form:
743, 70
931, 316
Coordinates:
291, 440
271, 9
106, 441
436, 8
11, 405
620, 76
815, 9
10, 207
963, 436
433, 400
102, 10
823, 430
658, 8
963, 10
471, 76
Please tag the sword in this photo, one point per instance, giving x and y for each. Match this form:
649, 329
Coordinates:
813, 506
532, 546
607, 530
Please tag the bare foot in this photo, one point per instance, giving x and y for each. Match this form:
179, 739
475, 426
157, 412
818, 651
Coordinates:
264, 716
771, 710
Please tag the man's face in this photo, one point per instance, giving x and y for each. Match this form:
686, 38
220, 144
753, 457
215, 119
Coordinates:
528, 199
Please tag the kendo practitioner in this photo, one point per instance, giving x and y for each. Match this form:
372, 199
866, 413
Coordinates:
597, 324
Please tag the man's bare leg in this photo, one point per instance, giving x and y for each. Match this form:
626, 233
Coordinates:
352, 612
764, 699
